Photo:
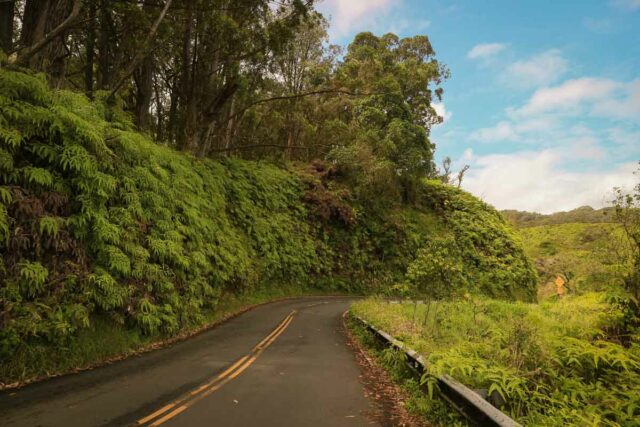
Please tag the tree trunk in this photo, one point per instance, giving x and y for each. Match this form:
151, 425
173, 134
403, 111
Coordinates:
90, 44
104, 49
7, 11
185, 89
49, 30
32, 21
172, 122
160, 117
144, 92
228, 136
143, 52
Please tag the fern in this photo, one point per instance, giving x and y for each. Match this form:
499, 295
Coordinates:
50, 226
6, 161
117, 261
77, 158
5, 196
4, 226
38, 176
106, 291
33, 276
10, 137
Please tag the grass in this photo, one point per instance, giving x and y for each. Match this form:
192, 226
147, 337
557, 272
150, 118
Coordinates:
418, 402
550, 363
105, 341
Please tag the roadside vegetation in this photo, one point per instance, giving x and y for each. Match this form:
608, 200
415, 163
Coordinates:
554, 363
573, 358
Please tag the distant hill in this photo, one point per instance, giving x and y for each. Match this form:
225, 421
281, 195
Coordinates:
583, 214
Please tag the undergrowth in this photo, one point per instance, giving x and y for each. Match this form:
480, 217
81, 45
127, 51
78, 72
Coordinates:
436, 410
555, 363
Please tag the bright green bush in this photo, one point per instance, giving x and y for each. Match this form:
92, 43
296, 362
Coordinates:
478, 253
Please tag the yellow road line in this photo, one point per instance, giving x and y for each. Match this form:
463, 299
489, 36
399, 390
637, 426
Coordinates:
215, 387
168, 416
261, 343
188, 399
243, 367
156, 414
192, 393
277, 335
234, 366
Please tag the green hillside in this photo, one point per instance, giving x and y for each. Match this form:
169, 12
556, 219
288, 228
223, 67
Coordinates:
586, 255
103, 228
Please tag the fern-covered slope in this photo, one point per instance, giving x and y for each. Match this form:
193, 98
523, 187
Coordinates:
98, 221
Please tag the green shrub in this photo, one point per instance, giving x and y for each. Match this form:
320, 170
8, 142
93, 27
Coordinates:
479, 252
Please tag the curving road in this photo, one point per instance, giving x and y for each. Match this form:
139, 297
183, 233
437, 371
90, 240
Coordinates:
281, 364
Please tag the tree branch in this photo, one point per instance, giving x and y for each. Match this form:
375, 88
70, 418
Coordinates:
302, 95
142, 52
251, 147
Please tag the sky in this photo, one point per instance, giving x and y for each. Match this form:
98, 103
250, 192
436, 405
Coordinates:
544, 97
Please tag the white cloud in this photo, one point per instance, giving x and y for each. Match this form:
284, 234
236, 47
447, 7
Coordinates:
467, 155
569, 96
625, 142
587, 147
539, 181
485, 50
399, 26
441, 110
353, 15
539, 70
515, 130
597, 97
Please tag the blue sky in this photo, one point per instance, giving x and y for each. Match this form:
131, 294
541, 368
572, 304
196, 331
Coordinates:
544, 98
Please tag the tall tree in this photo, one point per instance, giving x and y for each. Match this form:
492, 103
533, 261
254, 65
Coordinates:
389, 124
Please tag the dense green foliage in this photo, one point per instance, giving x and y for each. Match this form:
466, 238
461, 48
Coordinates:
97, 220
556, 363
478, 252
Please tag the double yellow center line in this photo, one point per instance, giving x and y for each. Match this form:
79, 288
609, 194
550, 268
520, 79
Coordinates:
188, 399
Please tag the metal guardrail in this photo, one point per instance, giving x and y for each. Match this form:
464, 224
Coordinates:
466, 401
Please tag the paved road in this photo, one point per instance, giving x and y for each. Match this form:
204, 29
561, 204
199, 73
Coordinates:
281, 364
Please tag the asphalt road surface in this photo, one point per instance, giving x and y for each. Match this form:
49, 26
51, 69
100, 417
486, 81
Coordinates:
281, 364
